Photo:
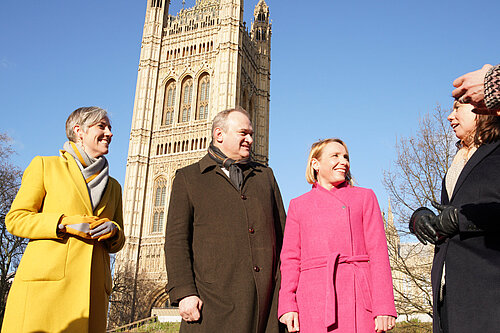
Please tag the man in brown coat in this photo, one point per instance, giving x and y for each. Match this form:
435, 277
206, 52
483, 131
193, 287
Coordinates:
224, 234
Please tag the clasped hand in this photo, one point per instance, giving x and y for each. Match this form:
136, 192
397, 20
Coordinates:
429, 227
190, 308
90, 227
291, 320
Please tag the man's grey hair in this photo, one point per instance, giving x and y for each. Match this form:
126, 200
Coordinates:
85, 117
220, 119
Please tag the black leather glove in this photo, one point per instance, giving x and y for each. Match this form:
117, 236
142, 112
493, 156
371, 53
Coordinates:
422, 225
447, 220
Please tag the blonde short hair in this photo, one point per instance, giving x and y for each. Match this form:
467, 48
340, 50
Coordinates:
85, 117
316, 150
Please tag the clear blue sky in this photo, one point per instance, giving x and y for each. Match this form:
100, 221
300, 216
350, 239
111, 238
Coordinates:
361, 70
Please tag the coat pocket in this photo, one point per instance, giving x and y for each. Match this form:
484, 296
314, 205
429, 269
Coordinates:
207, 257
44, 260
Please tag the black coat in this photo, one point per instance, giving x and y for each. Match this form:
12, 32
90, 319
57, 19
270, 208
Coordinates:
473, 256
223, 245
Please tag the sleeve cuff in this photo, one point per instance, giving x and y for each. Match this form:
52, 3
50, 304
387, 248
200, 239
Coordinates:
492, 88
179, 292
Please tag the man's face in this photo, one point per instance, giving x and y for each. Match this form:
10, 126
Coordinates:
237, 140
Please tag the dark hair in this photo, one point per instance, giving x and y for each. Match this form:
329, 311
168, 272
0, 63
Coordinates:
487, 129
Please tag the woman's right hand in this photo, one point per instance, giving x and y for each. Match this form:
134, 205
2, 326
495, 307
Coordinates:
291, 320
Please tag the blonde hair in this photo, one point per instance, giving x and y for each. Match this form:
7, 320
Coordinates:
316, 150
85, 117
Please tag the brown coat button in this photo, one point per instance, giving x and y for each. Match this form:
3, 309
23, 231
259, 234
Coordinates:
256, 268
243, 197
251, 230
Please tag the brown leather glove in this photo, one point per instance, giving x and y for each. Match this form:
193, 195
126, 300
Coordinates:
76, 225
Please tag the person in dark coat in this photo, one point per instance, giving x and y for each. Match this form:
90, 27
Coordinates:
224, 234
466, 232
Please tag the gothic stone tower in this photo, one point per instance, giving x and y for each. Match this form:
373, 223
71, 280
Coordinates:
192, 65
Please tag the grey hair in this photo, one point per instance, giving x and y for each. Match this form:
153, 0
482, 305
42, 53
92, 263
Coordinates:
85, 117
220, 119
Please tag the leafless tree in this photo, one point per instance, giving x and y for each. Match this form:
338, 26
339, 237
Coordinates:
120, 312
415, 179
11, 247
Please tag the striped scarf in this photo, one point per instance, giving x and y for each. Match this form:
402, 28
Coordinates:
94, 171
235, 172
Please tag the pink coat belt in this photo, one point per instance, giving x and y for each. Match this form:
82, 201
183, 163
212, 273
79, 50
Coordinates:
331, 262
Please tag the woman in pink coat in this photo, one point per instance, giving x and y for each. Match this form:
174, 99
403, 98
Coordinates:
335, 272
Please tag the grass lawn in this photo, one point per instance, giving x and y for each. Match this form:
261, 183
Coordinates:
411, 327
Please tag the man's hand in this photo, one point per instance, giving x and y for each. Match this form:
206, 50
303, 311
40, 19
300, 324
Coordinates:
291, 320
470, 89
190, 308
384, 323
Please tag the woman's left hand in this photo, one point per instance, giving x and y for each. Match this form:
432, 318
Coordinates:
384, 323
103, 229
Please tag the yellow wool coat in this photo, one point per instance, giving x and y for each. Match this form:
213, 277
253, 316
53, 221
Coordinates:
63, 282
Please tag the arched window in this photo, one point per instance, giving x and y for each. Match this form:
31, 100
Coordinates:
203, 96
159, 204
187, 96
168, 103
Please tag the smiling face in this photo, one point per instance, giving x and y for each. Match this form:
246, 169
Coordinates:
332, 165
236, 140
96, 140
462, 120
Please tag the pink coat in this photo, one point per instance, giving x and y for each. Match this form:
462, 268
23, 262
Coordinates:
335, 268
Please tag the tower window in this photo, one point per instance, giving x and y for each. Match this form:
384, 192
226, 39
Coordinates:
168, 103
203, 96
187, 95
156, 3
159, 205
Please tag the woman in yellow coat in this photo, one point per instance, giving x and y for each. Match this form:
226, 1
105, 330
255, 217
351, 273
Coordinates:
71, 211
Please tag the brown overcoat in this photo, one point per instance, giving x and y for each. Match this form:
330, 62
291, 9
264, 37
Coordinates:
223, 245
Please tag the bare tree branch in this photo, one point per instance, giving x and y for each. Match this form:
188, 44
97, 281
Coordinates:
11, 247
120, 306
415, 179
